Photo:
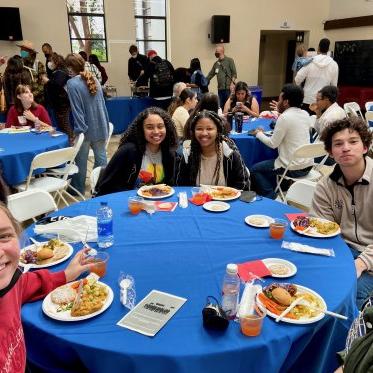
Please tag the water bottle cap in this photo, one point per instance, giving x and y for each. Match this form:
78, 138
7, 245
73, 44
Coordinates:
103, 203
232, 269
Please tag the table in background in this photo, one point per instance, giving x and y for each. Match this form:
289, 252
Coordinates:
185, 253
253, 150
123, 110
21, 148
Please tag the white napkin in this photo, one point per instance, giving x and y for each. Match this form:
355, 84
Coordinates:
294, 246
71, 229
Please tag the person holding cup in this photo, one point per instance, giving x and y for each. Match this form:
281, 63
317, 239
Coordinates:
26, 112
242, 101
210, 160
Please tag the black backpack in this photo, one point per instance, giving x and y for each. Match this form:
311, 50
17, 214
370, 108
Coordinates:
162, 76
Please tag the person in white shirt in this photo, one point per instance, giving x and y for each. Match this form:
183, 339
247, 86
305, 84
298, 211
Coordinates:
326, 108
322, 71
179, 110
291, 131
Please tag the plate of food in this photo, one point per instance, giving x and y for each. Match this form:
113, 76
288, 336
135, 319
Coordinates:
45, 254
221, 193
259, 221
315, 227
158, 191
280, 268
275, 298
78, 300
216, 206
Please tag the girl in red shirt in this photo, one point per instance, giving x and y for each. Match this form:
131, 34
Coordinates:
26, 112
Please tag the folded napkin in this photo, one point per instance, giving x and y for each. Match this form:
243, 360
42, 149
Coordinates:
294, 246
71, 229
293, 216
201, 199
251, 270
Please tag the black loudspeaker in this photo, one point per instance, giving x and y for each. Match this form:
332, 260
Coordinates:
10, 24
220, 29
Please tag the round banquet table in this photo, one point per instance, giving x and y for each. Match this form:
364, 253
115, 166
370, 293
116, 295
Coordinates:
19, 149
253, 150
185, 253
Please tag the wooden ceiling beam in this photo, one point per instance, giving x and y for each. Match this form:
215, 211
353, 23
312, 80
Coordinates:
334, 24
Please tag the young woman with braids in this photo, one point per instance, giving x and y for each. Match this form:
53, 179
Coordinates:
146, 154
89, 114
179, 109
209, 159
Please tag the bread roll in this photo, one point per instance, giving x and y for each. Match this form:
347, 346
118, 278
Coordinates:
44, 254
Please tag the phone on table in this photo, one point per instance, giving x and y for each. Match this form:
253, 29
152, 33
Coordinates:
248, 196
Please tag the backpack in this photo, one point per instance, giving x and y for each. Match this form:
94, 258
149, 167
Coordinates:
199, 79
162, 76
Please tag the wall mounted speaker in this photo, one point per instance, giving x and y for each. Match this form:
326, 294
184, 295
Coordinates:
220, 29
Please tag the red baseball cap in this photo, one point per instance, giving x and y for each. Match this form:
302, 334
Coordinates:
151, 53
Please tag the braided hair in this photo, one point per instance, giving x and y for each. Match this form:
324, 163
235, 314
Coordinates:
195, 153
135, 132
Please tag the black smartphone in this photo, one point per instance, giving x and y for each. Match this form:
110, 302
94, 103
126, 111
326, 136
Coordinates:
248, 196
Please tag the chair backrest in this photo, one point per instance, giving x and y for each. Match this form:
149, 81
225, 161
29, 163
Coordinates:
95, 174
313, 150
369, 106
369, 118
352, 108
30, 203
78, 143
111, 129
300, 194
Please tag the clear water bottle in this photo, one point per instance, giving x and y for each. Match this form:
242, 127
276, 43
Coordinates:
231, 291
105, 235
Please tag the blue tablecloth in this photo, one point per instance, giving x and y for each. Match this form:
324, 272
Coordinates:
21, 148
252, 150
185, 253
123, 110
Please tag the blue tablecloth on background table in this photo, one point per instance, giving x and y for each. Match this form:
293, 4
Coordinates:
123, 110
21, 148
253, 150
185, 253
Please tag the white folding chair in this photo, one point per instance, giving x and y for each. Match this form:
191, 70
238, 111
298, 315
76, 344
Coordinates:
300, 194
55, 185
30, 203
369, 106
95, 174
309, 151
91, 154
352, 109
369, 118
70, 168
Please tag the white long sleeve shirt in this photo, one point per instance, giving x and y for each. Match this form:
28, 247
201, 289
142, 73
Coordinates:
332, 113
291, 131
322, 71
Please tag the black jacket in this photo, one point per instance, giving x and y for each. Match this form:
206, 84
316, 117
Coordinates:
123, 169
135, 65
154, 90
235, 172
55, 91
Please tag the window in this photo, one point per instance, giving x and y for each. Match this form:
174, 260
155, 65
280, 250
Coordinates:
87, 27
150, 16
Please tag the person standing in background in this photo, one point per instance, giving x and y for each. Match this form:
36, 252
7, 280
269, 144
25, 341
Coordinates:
137, 65
48, 51
225, 71
322, 71
93, 60
91, 68
90, 116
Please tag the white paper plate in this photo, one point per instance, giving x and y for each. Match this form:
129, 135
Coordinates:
140, 192
292, 269
314, 233
301, 289
50, 309
216, 206
237, 193
268, 220
33, 247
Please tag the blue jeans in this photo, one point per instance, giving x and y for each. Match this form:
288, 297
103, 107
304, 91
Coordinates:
263, 177
223, 96
364, 283
98, 147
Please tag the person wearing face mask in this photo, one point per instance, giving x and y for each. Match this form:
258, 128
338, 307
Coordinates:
35, 68
57, 95
137, 65
226, 74
48, 51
